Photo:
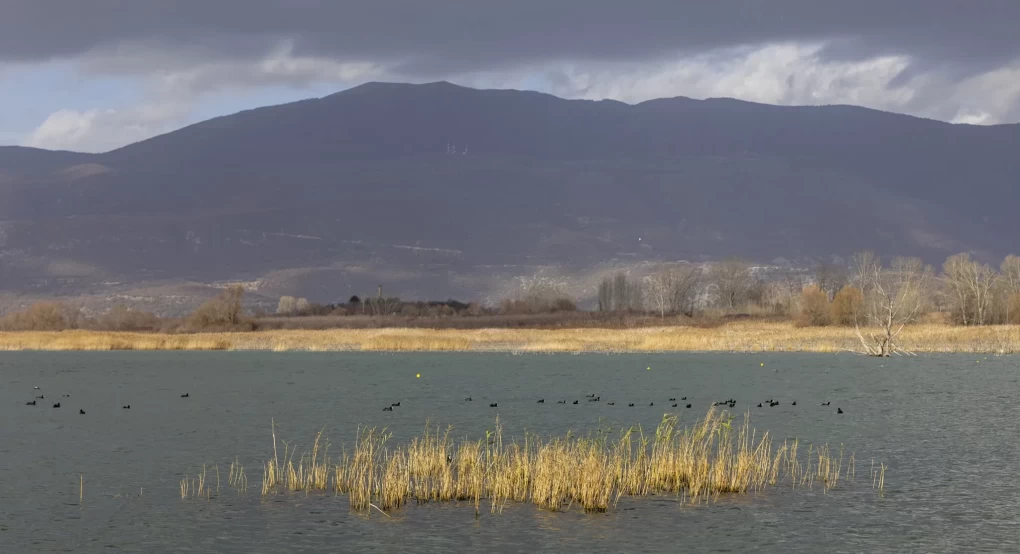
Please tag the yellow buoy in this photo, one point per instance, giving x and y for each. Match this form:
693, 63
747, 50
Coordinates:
649, 368
417, 375
763, 364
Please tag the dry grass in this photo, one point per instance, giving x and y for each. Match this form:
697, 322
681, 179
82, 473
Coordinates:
751, 336
696, 463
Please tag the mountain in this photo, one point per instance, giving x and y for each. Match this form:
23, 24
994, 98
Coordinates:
438, 189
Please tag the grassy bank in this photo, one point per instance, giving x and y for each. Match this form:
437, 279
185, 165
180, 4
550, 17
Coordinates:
753, 336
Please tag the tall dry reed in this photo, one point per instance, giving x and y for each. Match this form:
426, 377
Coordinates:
718, 454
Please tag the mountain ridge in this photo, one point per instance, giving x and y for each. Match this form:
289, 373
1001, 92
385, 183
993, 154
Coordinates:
536, 180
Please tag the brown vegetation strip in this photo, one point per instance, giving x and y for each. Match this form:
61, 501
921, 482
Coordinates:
733, 337
712, 457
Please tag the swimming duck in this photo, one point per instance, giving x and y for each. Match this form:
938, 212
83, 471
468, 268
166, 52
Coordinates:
388, 409
128, 407
759, 404
468, 399
541, 401
80, 411
493, 405
396, 404
186, 395
688, 405
57, 405
826, 403
575, 402
631, 405
839, 410
32, 403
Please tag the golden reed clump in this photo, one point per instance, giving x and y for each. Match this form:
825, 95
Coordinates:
695, 463
749, 336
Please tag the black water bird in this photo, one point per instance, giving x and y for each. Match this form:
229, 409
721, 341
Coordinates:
468, 399
493, 405
561, 402
684, 398
592, 395
40, 396
35, 388
839, 410
672, 399
32, 403
651, 403
186, 395
80, 411
826, 403
396, 404
596, 399
794, 403
631, 404
759, 404
542, 401
611, 404
128, 407
674, 405
575, 402
388, 409
774, 404
688, 405
57, 405
65, 395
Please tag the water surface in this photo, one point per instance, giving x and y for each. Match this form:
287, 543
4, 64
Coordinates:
945, 426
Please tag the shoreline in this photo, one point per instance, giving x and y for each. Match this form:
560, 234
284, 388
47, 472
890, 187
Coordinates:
730, 337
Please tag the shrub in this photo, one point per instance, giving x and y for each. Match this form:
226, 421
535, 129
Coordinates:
122, 318
814, 307
845, 304
222, 312
42, 316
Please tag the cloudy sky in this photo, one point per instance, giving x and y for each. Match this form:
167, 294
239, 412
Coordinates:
92, 75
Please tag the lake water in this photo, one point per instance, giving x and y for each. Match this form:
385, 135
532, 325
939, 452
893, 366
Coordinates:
946, 426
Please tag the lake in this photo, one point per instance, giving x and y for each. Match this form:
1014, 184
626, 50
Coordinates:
944, 425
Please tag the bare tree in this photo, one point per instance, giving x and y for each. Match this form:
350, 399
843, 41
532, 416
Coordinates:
286, 306
733, 279
892, 297
605, 295
1010, 269
971, 284
830, 278
672, 289
618, 294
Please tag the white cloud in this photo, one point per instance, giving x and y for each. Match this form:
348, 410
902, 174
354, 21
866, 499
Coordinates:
172, 94
797, 74
101, 130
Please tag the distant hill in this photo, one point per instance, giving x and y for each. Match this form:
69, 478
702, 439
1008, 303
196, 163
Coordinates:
439, 189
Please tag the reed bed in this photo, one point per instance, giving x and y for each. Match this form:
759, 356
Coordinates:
696, 463
747, 336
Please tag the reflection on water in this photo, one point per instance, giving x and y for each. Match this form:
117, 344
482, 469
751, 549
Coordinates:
945, 425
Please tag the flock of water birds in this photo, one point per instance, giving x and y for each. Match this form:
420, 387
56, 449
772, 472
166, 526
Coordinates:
731, 403
81, 411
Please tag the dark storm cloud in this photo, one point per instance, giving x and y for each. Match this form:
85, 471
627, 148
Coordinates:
460, 35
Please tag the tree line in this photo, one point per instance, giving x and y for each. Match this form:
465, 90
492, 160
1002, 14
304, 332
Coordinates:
875, 297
